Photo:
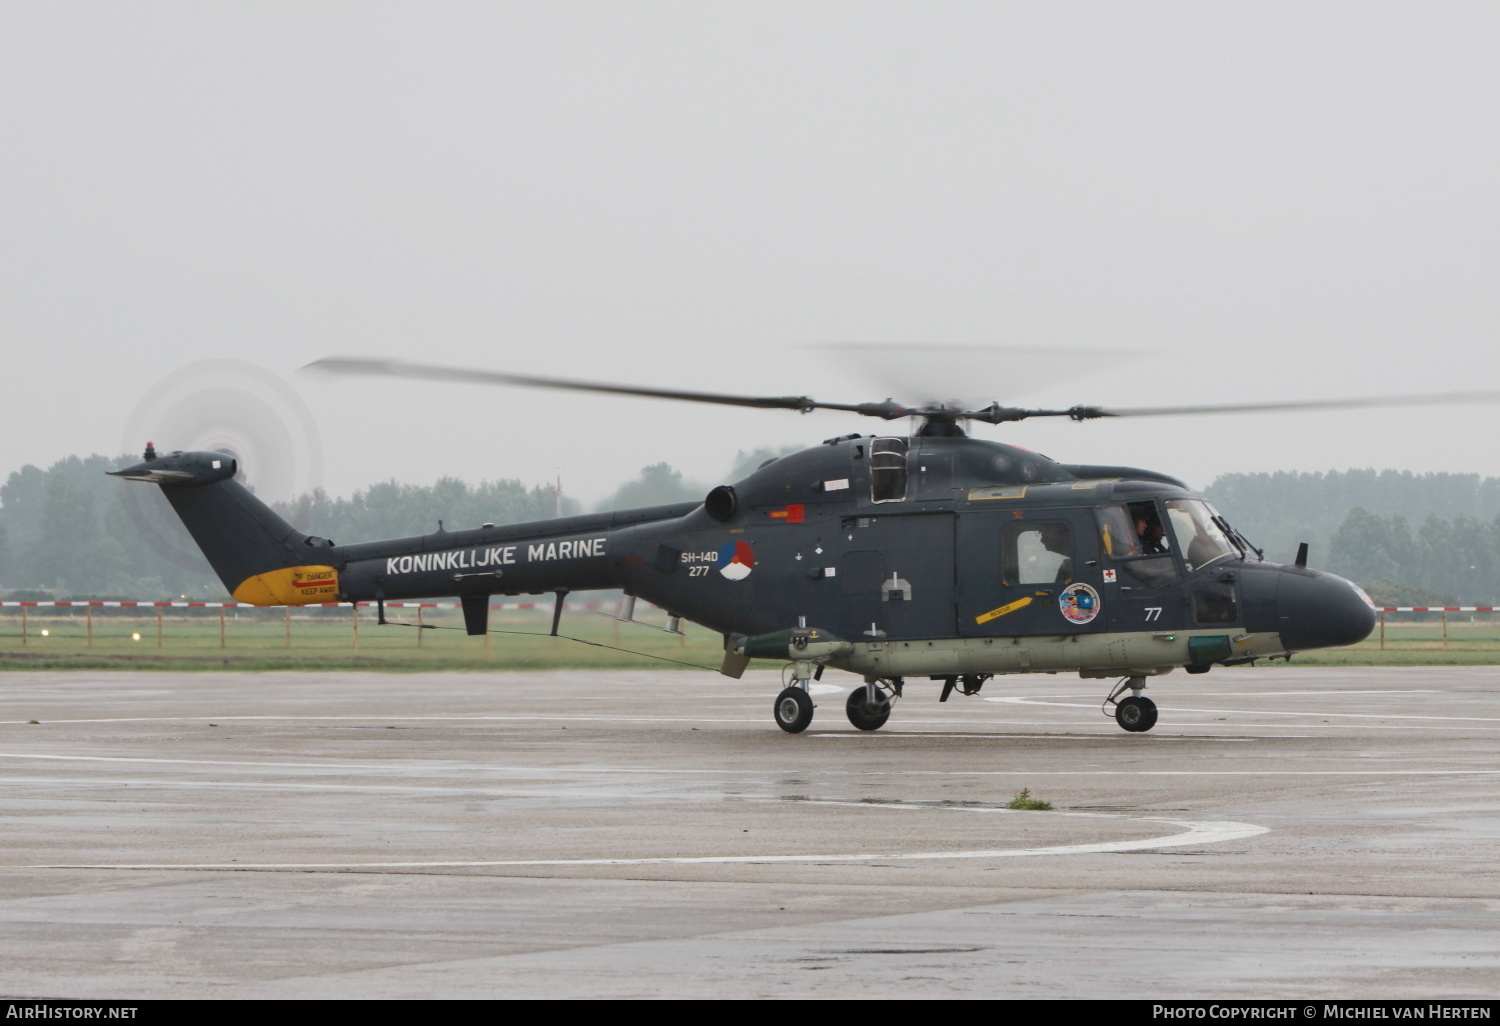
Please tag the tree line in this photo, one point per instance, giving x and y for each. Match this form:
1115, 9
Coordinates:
1409, 539
1279, 510
69, 531
1442, 562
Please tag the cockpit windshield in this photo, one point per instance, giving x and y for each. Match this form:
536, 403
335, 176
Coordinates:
1199, 537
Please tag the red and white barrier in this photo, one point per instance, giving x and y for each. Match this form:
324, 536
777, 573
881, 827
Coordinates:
588, 607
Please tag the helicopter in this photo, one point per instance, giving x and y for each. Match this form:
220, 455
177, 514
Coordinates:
896, 556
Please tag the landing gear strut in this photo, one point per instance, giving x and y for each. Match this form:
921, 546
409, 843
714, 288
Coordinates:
794, 706
1136, 713
968, 684
868, 707
794, 709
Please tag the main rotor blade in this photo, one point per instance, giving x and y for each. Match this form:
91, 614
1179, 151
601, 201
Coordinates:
353, 365
1088, 413
888, 410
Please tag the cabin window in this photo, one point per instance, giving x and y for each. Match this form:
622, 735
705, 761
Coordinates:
1199, 539
1037, 553
887, 469
1213, 603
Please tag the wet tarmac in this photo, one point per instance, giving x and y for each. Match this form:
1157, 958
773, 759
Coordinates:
1282, 833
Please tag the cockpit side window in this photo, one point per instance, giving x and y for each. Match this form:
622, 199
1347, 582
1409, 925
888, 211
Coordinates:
1132, 536
1036, 553
1117, 533
887, 469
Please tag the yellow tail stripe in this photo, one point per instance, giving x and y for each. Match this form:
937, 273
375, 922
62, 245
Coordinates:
291, 586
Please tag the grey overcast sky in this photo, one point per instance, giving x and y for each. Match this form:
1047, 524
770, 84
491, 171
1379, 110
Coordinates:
1263, 200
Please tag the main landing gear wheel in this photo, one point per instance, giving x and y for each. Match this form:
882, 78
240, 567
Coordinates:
865, 714
794, 710
1136, 713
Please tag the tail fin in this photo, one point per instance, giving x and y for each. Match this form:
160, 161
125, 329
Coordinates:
262, 559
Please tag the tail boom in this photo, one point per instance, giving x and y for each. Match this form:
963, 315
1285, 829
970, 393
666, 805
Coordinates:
264, 561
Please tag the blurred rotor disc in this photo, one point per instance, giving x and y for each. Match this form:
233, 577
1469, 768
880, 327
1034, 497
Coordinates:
918, 373
227, 406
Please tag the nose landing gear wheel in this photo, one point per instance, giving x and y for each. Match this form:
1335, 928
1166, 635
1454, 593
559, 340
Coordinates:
865, 714
794, 710
1136, 713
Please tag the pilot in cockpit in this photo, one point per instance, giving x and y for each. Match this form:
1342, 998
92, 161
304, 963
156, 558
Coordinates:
1151, 536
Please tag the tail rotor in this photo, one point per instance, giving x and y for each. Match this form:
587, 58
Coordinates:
228, 406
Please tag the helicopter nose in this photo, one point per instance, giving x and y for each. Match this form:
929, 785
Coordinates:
1321, 610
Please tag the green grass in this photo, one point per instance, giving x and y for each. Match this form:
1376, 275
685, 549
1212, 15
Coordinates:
1472, 641
1023, 800
326, 640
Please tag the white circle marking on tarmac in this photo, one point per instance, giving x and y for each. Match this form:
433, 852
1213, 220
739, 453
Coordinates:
1024, 700
1195, 832
1259, 694
405, 769
945, 734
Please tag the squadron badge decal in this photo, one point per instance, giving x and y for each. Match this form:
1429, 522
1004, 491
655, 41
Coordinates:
1079, 603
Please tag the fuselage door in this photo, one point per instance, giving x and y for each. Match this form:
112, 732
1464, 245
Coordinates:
1142, 575
1034, 574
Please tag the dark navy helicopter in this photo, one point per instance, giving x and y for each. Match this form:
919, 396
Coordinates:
892, 556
